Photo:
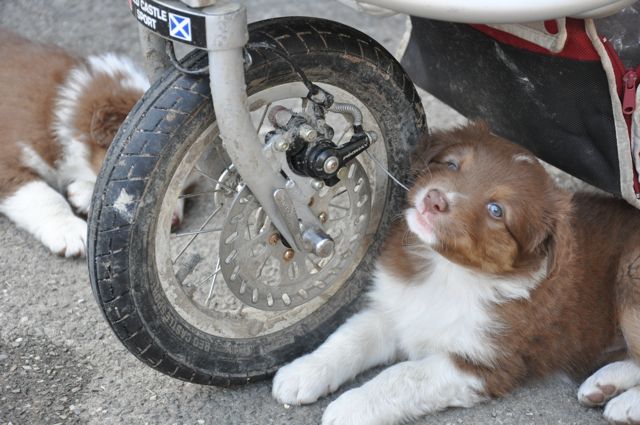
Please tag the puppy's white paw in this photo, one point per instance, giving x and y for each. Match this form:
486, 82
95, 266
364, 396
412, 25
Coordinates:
79, 194
65, 236
625, 408
303, 381
608, 382
351, 408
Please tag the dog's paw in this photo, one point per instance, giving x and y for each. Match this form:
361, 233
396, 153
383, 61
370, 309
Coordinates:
625, 408
79, 194
66, 236
303, 381
608, 382
351, 408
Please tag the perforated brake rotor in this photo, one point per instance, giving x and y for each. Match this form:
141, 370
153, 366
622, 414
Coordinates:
264, 272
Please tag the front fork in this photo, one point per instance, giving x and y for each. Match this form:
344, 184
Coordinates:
226, 36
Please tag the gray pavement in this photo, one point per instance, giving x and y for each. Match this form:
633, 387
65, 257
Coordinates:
60, 363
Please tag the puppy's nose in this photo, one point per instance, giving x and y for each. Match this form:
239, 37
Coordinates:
435, 202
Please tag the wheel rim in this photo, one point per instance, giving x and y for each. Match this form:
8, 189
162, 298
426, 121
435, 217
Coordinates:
196, 264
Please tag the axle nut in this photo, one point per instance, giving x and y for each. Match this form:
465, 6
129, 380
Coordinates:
318, 242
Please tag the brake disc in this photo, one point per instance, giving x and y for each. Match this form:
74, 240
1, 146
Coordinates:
264, 272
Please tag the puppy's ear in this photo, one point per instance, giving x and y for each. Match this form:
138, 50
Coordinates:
559, 230
427, 149
420, 156
475, 130
433, 144
105, 122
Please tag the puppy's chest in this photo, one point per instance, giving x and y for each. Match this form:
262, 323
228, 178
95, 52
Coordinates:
445, 312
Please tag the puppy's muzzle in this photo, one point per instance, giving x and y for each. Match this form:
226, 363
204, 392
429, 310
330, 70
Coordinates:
435, 202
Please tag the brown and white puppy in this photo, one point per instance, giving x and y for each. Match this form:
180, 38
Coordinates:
494, 276
58, 115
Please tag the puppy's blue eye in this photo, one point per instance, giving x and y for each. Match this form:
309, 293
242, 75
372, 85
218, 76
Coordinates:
495, 210
452, 165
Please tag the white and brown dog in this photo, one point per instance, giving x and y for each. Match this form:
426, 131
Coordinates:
494, 276
58, 116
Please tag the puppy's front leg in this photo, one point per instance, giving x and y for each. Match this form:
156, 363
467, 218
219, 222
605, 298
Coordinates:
404, 391
364, 341
77, 176
43, 212
79, 193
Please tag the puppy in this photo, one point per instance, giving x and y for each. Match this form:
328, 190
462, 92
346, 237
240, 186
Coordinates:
58, 115
495, 275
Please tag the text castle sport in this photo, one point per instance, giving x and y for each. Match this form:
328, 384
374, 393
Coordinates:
148, 14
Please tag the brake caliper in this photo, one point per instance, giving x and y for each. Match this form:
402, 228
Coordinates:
307, 139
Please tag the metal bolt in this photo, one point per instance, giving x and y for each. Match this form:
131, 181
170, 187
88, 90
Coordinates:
307, 133
281, 145
274, 239
288, 255
372, 135
342, 173
331, 165
317, 184
323, 217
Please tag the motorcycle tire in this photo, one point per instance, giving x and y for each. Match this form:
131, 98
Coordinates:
149, 148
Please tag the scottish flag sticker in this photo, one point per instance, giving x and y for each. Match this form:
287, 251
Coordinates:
180, 27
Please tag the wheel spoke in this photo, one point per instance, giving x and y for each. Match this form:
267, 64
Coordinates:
204, 192
196, 235
203, 280
264, 114
338, 206
215, 180
213, 281
330, 197
177, 235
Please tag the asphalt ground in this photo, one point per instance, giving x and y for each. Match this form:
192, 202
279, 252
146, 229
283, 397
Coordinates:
60, 362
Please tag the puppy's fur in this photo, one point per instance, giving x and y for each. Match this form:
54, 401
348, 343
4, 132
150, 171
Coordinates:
470, 302
58, 115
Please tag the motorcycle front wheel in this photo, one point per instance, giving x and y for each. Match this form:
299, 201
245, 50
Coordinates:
222, 299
